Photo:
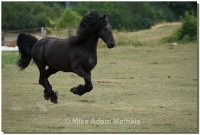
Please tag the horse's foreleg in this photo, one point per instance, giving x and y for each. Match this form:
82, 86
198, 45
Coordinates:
48, 92
81, 89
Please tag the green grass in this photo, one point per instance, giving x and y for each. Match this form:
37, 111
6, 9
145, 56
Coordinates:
150, 37
9, 58
155, 84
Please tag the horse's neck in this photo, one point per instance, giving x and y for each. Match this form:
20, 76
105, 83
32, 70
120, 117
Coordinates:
91, 42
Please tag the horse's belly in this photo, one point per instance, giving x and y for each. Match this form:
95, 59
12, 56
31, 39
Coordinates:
64, 66
59, 63
57, 57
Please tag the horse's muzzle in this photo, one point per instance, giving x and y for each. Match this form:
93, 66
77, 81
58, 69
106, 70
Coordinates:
111, 45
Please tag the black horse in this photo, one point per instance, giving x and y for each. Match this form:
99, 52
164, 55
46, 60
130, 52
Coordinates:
77, 54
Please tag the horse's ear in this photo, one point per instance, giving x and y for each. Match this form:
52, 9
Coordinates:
104, 16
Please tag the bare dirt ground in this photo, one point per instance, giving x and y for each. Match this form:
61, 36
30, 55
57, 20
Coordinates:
155, 87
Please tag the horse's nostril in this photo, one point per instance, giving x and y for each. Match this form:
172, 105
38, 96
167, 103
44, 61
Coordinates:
112, 44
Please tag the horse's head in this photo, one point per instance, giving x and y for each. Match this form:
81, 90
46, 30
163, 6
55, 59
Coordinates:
105, 32
94, 23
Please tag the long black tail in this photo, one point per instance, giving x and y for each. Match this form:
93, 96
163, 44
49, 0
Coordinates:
25, 43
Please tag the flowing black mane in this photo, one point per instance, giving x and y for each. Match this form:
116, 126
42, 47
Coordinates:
91, 23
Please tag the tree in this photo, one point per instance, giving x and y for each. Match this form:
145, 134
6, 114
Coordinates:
68, 18
25, 15
129, 16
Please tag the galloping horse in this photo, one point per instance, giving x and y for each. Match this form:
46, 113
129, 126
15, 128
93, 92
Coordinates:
77, 54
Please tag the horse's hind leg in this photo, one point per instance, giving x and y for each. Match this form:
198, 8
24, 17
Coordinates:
48, 73
81, 89
45, 83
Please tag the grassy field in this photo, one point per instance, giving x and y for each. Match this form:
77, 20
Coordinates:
153, 85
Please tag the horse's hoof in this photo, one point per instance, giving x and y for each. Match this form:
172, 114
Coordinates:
46, 97
53, 98
54, 101
75, 91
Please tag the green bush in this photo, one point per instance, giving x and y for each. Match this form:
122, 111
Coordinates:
188, 30
68, 19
